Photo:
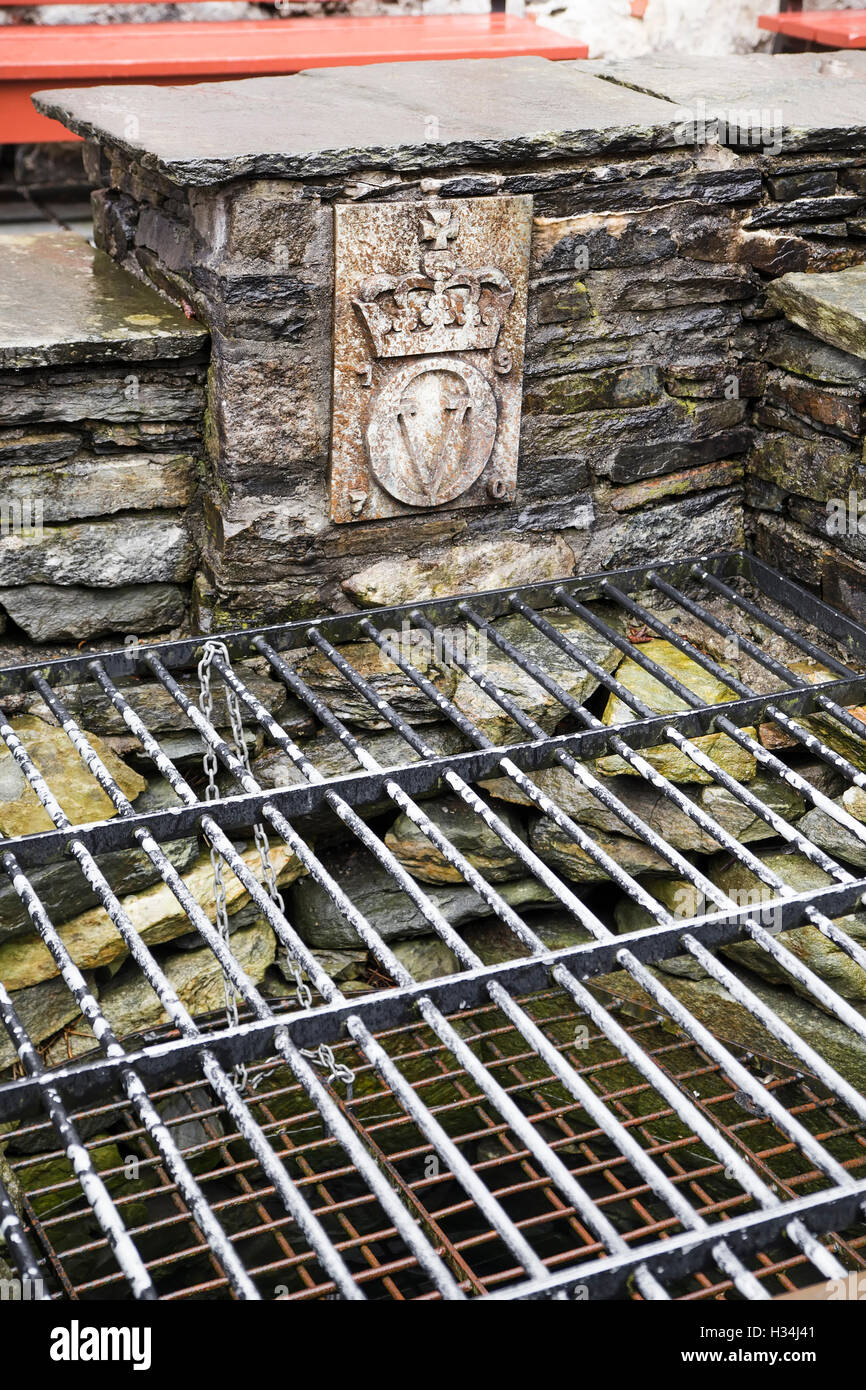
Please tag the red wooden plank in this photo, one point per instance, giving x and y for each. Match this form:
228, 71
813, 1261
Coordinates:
796, 26
844, 30
245, 48
832, 28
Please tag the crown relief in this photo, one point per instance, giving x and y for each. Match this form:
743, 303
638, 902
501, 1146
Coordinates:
442, 306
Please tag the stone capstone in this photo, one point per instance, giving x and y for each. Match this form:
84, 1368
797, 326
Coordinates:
61, 300
328, 122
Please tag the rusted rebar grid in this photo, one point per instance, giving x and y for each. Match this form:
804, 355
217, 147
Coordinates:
510, 1132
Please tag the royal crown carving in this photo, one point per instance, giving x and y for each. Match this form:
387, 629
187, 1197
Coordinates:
441, 306
430, 312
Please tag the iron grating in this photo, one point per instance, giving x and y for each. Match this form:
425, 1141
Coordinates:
560, 1121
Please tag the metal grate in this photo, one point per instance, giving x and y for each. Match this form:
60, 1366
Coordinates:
482, 1151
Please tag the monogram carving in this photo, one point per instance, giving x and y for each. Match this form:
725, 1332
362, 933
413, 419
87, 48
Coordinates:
429, 325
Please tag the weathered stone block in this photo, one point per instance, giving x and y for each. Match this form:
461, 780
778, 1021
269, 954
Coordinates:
700, 479
268, 221
830, 306
600, 241
127, 394
805, 210
564, 302
836, 410
52, 614
37, 447
86, 486
606, 390
810, 183
805, 555
270, 408
101, 554
463, 569
629, 462
669, 285
703, 522
815, 469
799, 352
61, 302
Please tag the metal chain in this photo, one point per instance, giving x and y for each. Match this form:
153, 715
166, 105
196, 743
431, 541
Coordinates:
336, 1071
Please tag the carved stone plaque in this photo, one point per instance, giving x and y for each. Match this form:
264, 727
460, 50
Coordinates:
429, 324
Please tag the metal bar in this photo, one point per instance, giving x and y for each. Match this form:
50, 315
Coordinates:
194, 1052
252, 1041
89, 1180
827, 997
384, 708
358, 1029
806, 847
678, 1255
280, 1037
184, 654
787, 1035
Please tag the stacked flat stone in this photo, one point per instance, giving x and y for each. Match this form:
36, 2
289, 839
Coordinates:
101, 403
657, 224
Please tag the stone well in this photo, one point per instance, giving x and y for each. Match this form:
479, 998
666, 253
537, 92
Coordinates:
490, 321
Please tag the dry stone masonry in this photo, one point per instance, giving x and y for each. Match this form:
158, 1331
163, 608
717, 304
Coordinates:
102, 393
608, 313
665, 197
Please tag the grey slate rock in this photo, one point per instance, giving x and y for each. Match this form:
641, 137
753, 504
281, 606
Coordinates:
63, 301
63, 889
53, 614
339, 120
819, 106
113, 552
43, 1009
800, 352
805, 210
381, 900
95, 485
833, 306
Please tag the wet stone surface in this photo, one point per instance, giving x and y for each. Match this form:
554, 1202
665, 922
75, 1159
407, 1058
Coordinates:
62, 301
334, 121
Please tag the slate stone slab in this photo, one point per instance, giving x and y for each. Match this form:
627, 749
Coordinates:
63, 301
833, 306
808, 101
337, 120
53, 614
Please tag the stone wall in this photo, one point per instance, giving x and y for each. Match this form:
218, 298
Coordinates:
654, 239
655, 366
102, 388
805, 471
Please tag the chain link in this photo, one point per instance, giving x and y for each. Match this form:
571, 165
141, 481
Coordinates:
336, 1071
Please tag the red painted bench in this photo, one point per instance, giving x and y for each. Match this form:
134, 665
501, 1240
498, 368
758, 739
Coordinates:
827, 28
33, 57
